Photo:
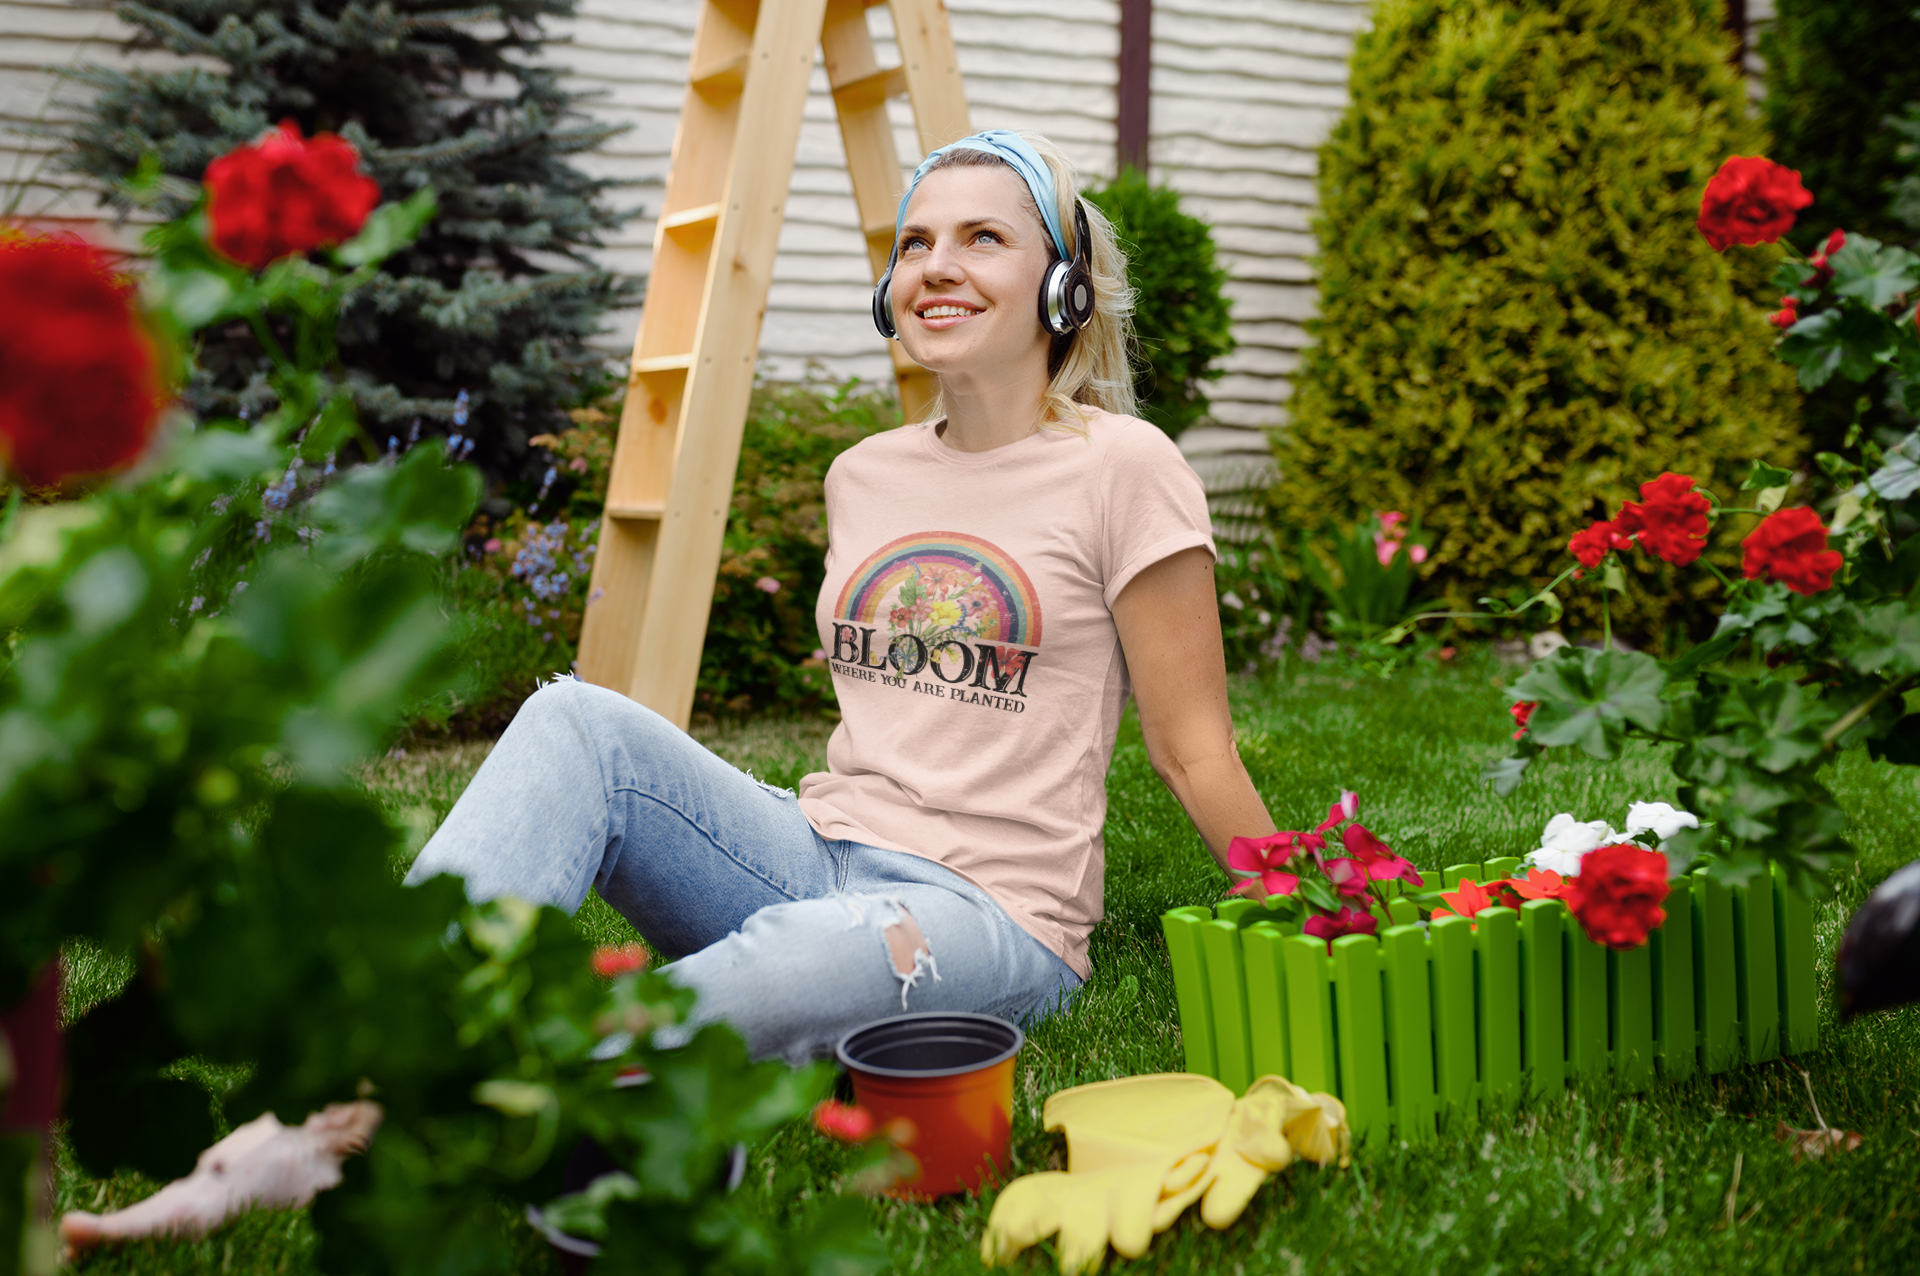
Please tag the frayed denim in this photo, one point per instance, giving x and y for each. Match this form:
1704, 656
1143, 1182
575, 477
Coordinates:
781, 932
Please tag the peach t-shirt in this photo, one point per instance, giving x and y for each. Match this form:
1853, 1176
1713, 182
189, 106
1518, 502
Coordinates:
966, 622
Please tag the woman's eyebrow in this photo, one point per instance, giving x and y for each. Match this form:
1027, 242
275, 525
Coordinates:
914, 228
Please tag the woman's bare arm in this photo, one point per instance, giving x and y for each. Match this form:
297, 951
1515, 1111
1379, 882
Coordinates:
1169, 625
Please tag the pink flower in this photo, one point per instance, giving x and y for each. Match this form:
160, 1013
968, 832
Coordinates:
493, 545
1349, 877
1267, 859
578, 465
1348, 921
1372, 854
1345, 809
767, 584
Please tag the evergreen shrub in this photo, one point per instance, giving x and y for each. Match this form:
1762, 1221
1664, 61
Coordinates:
1181, 317
1518, 319
498, 297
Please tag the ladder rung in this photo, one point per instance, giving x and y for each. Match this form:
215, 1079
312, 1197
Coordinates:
870, 89
662, 363
640, 510
691, 218
721, 77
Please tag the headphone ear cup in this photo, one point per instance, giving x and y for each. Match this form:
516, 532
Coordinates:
1078, 290
1054, 316
883, 305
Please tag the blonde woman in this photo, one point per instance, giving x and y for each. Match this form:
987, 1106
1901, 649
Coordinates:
1000, 577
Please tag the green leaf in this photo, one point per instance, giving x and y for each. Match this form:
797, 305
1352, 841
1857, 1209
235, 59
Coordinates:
1873, 274
1702, 654
1505, 774
390, 228
1590, 698
1614, 576
1886, 639
1765, 476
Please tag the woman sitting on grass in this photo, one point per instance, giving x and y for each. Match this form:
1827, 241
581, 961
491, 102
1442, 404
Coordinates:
998, 579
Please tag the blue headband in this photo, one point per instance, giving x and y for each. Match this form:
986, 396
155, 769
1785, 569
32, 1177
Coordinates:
1003, 144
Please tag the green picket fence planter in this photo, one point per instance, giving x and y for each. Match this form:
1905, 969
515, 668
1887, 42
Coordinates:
1424, 1026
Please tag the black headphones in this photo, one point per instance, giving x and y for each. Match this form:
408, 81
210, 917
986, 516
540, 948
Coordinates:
1066, 293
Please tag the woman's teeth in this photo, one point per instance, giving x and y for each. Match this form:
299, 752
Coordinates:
945, 312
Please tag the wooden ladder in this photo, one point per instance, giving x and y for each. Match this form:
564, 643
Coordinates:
713, 253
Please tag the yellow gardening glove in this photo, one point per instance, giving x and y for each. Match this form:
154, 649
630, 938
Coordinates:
1275, 1121
1134, 1146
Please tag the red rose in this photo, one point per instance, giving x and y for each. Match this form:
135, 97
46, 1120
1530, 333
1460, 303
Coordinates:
1790, 546
1521, 711
285, 195
80, 387
1751, 200
1671, 518
1787, 315
1618, 894
610, 960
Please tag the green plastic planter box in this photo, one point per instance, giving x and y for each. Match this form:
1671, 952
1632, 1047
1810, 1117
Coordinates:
1423, 1027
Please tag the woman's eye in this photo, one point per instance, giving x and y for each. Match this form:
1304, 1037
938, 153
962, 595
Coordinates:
987, 237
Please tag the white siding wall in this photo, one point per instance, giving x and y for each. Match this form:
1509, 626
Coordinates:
1244, 93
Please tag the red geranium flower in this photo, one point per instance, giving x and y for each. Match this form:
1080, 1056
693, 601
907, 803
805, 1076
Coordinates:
846, 1122
1521, 711
1593, 544
1790, 546
1751, 200
610, 960
80, 385
1822, 272
1348, 921
286, 194
1671, 518
1268, 857
1787, 315
1618, 894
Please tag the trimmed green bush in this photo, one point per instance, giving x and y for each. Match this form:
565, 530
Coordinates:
1519, 322
1181, 317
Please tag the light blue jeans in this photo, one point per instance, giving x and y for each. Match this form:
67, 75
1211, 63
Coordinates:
782, 933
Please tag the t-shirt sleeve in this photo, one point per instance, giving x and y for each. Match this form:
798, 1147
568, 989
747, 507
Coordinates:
1152, 502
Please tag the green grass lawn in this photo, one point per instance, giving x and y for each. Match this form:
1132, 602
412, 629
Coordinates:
1598, 1181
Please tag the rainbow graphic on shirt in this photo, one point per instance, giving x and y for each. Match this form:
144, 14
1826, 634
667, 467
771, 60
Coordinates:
944, 587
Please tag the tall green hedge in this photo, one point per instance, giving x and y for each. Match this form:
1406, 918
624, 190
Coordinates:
1519, 322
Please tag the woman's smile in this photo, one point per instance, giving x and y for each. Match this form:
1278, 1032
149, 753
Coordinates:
940, 314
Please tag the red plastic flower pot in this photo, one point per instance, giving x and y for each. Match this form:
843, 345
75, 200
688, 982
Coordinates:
951, 1077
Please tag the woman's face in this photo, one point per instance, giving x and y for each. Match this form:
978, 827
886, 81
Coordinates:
966, 287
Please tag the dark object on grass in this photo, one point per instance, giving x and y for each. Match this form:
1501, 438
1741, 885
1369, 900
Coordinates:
1880, 955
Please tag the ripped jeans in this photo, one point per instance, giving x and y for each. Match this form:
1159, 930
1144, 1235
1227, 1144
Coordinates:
784, 934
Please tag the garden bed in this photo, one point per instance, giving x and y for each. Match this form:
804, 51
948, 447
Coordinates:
1433, 1023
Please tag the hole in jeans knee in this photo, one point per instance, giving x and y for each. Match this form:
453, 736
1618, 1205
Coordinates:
906, 945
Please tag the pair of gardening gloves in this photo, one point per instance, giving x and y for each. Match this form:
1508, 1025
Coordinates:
1142, 1149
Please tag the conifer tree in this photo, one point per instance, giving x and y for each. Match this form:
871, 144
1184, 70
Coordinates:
1519, 322
498, 298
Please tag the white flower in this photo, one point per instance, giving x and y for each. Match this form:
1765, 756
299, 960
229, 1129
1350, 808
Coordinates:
1565, 840
1659, 819
1231, 599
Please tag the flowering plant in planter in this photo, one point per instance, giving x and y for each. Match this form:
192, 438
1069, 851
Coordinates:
1332, 894
204, 629
1819, 637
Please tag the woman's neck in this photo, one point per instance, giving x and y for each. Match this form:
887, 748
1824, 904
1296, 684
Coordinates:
988, 411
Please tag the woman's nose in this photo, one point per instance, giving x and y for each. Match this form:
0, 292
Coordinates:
941, 263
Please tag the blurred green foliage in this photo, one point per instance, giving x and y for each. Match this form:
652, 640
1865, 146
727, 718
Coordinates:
1519, 322
1181, 317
